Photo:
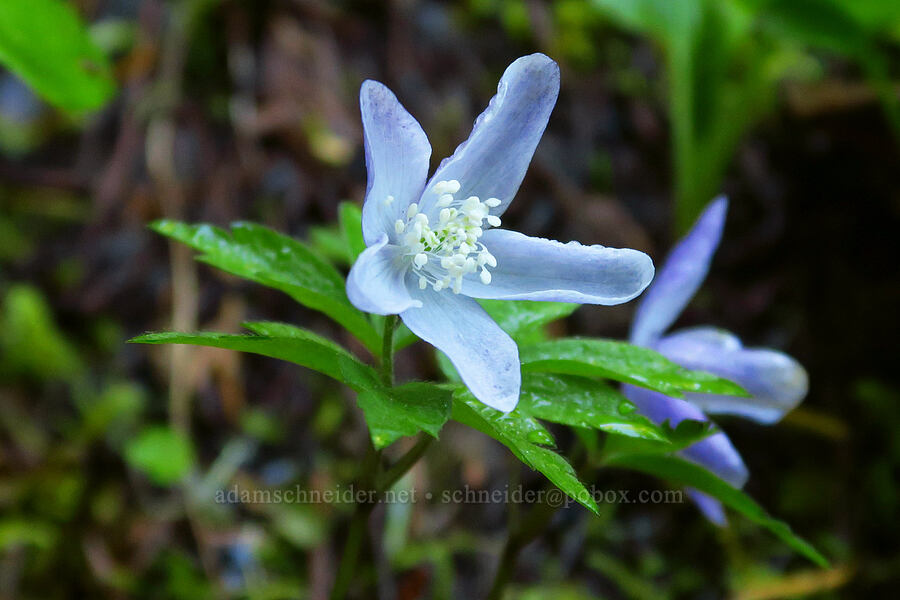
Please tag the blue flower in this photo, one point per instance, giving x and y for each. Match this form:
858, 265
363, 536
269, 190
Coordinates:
775, 381
433, 247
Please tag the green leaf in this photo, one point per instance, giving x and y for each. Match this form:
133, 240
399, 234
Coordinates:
526, 438
633, 585
829, 24
392, 413
718, 85
621, 362
284, 342
162, 454
343, 242
300, 524
114, 410
30, 342
687, 432
446, 367
819, 23
688, 474
403, 337
328, 241
19, 533
350, 220
45, 43
660, 19
522, 319
582, 402
264, 256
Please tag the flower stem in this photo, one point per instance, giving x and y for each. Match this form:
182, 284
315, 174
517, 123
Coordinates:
524, 532
357, 530
387, 351
405, 463
372, 478
521, 536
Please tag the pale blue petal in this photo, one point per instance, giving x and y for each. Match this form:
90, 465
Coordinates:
530, 268
777, 383
493, 161
486, 358
680, 277
397, 159
715, 452
710, 507
377, 282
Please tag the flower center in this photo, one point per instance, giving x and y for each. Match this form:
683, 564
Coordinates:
442, 253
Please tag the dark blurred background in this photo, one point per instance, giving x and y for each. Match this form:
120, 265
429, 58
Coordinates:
236, 109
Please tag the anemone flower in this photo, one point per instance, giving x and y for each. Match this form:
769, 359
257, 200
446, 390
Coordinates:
775, 381
435, 246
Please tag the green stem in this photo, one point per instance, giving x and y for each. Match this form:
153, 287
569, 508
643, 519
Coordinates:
531, 528
523, 532
372, 478
405, 463
387, 351
357, 530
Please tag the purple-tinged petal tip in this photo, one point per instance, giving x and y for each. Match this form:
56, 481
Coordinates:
397, 159
681, 275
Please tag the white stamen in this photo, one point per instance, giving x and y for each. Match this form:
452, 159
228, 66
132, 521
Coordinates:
389, 200
444, 253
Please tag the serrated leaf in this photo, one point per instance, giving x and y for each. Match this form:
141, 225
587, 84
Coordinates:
527, 439
392, 413
582, 402
45, 43
621, 362
162, 454
275, 329
275, 260
688, 474
292, 344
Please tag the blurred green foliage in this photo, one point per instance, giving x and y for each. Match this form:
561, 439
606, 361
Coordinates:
724, 61
30, 342
82, 443
45, 43
164, 455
